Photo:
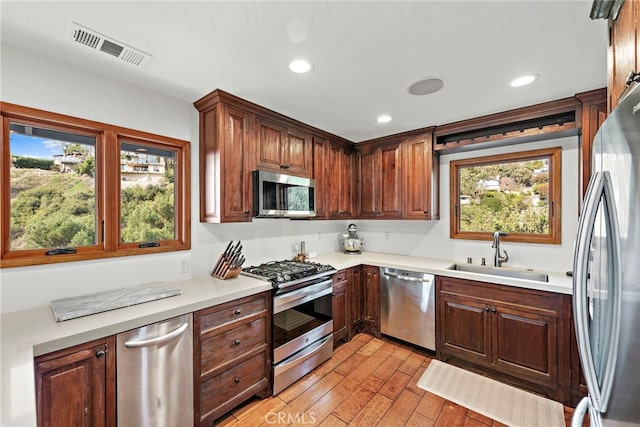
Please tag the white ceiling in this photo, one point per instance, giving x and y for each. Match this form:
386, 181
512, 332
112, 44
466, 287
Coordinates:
365, 53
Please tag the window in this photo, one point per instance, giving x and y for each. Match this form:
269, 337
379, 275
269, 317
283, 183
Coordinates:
517, 193
74, 189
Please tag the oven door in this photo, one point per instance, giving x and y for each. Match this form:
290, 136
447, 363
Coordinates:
300, 318
302, 332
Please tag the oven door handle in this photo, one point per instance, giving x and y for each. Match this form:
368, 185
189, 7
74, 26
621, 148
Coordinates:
297, 297
306, 353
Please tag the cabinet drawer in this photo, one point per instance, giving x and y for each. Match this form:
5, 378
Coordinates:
230, 383
225, 348
340, 276
230, 312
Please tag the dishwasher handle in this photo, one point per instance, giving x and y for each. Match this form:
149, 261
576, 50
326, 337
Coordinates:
407, 278
157, 340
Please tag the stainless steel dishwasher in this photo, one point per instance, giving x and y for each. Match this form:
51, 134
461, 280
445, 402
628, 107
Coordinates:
154, 374
408, 309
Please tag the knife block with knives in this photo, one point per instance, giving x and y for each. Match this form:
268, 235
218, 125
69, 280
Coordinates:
229, 264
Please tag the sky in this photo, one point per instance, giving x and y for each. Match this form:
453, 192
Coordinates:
33, 146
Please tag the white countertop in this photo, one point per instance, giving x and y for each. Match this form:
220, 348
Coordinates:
33, 332
558, 281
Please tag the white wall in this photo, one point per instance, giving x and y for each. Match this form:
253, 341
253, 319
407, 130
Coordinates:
36, 81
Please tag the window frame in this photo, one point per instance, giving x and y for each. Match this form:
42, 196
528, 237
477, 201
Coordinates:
554, 154
107, 164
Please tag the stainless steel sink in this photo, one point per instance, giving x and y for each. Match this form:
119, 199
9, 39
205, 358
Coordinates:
501, 271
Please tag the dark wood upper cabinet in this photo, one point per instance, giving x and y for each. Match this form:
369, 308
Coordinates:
270, 145
282, 149
420, 178
333, 171
226, 161
594, 112
379, 181
76, 386
321, 175
624, 50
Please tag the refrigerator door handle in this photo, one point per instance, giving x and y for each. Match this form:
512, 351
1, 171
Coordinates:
600, 189
580, 412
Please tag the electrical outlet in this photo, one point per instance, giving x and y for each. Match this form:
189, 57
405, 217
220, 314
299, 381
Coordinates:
183, 265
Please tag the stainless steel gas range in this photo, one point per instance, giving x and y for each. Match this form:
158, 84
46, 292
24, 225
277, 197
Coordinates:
302, 317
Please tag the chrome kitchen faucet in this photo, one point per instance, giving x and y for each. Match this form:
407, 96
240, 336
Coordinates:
497, 258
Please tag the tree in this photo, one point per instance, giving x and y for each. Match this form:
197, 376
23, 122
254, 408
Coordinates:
86, 167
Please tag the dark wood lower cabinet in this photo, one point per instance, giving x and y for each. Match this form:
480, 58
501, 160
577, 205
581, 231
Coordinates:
232, 355
354, 296
370, 321
340, 307
521, 336
76, 386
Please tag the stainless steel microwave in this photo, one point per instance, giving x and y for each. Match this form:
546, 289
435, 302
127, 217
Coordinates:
283, 196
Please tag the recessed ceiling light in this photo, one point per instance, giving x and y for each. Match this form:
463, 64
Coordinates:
384, 118
300, 66
523, 80
426, 86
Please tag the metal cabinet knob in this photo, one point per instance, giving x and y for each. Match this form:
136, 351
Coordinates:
493, 310
236, 380
100, 354
486, 309
237, 342
236, 312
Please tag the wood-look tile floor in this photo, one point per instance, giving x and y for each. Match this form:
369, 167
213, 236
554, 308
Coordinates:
368, 382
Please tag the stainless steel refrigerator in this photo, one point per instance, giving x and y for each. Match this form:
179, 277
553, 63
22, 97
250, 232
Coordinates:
606, 283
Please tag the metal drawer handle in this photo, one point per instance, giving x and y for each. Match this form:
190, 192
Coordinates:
237, 342
100, 354
158, 340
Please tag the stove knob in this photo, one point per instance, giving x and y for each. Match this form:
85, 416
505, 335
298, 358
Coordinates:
287, 277
279, 279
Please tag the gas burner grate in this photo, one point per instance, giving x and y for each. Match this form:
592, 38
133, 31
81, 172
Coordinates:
286, 271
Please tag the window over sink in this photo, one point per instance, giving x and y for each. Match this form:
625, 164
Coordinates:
518, 193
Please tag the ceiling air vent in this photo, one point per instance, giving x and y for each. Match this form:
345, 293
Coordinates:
101, 43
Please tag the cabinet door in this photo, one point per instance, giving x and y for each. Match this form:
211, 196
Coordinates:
525, 343
75, 387
340, 308
354, 279
296, 154
371, 299
368, 183
320, 175
270, 145
417, 176
624, 49
390, 194
236, 196
465, 328
347, 183
340, 169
